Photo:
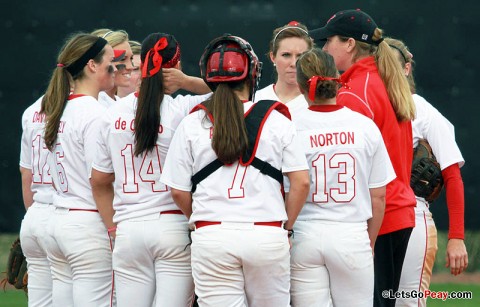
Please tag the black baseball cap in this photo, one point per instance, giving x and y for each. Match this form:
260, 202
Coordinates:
348, 23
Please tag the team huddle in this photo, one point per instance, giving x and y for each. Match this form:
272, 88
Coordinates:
297, 194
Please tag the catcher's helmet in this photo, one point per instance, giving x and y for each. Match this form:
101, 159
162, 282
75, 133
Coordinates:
228, 59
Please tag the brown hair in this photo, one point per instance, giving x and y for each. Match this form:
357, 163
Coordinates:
229, 140
151, 94
58, 90
293, 29
316, 62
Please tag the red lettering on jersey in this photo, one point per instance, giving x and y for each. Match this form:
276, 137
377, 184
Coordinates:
61, 127
211, 132
120, 124
132, 125
335, 138
38, 117
160, 129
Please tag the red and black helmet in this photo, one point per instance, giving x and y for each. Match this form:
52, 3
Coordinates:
229, 59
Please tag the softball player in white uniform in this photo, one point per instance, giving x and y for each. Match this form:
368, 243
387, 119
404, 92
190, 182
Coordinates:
431, 125
240, 252
150, 256
349, 169
287, 44
77, 243
38, 193
119, 41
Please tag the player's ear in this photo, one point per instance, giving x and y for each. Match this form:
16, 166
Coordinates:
407, 69
272, 57
91, 65
351, 44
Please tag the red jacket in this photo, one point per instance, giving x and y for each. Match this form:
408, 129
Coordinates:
365, 93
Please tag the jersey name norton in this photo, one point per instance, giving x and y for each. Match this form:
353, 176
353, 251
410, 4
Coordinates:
72, 157
34, 153
347, 157
138, 190
232, 193
431, 125
295, 106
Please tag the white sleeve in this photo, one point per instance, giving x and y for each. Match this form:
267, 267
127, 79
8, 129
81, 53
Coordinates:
441, 137
382, 171
25, 146
178, 168
103, 158
90, 135
294, 158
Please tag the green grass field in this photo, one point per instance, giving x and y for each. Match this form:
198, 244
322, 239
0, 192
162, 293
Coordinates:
17, 298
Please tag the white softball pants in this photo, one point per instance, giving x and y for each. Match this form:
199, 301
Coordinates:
420, 257
332, 262
241, 264
79, 251
151, 260
34, 246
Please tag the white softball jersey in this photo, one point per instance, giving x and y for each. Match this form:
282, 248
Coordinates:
431, 125
347, 156
106, 100
233, 193
34, 153
71, 159
296, 105
138, 190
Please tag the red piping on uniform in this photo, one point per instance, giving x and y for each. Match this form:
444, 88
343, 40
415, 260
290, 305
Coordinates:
89, 210
424, 255
172, 212
200, 224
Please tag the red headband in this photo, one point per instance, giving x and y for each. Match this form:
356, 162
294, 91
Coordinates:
312, 82
157, 59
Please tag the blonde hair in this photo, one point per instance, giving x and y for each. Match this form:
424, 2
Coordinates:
113, 38
404, 57
391, 73
136, 47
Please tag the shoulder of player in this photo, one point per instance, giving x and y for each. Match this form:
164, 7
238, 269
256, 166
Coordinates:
265, 93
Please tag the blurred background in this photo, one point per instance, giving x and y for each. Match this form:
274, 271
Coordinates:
442, 35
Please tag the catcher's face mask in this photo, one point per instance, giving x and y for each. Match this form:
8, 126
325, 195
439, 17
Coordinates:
228, 59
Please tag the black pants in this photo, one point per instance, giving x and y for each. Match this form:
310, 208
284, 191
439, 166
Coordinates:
390, 250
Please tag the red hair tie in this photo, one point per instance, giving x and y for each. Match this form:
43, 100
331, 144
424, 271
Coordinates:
312, 82
157, 59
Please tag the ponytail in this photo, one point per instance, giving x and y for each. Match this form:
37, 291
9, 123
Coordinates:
147, 115
230, 140
393, 77
54, 103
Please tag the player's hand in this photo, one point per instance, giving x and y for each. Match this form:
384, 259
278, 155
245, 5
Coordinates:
173, 80
457, 256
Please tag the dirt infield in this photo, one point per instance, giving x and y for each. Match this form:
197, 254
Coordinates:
464, 278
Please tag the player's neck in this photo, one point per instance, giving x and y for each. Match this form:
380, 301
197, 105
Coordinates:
82, 88
112, 92
286, 92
